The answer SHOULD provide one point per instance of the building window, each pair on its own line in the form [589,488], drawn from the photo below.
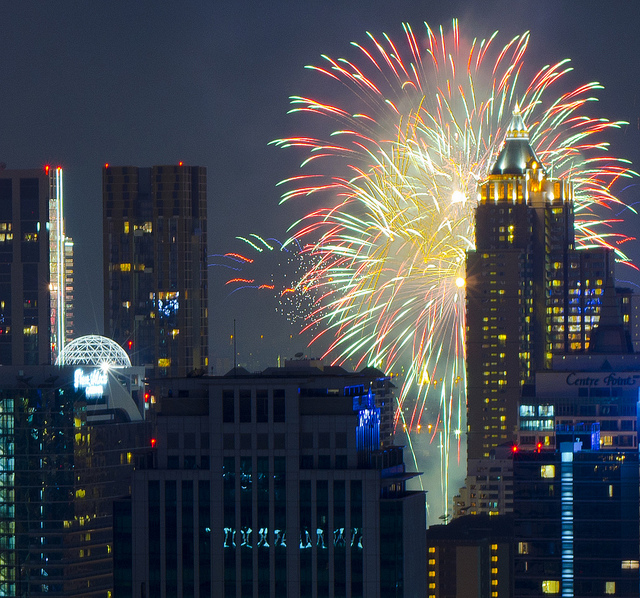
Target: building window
[551,587]
[547,471]
[609,587]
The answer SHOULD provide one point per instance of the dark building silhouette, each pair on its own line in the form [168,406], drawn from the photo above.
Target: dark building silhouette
[155,265]
[273,484]
[58,477]
[471,556]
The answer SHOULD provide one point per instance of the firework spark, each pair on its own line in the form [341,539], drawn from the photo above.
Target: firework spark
[421,125]
[278,276]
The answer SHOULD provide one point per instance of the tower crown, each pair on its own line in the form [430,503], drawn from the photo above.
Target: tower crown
[516,155]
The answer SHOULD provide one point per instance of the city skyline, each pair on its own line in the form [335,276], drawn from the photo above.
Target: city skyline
[221,78]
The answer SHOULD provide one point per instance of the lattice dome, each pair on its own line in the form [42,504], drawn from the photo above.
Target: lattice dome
[93,350]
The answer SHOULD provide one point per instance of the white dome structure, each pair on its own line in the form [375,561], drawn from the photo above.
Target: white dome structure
[94,350]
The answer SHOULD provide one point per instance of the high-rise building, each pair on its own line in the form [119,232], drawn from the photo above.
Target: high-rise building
[155,265]
[274,484]
[59,476]
[576,522]
[32,266]
[530,293]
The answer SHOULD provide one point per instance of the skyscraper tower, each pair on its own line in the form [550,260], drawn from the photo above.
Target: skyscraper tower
[530,293]
[155,265]
[32,266]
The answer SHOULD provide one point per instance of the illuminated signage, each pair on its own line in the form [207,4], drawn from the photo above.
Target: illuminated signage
[608,380]
[93,381]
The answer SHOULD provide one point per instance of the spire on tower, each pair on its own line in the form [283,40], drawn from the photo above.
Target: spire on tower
[516,155]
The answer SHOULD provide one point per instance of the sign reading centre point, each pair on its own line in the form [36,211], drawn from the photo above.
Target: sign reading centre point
[570,383]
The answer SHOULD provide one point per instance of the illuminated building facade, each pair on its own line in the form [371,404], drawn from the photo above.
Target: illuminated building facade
[58,477]
[32,266]
[155,265]
[530,293]
[576,522]
[110,382]
[274,484]
[69,290]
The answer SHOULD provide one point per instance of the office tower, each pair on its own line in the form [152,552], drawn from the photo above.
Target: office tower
[530,293]
[59,476]
[576,522]
[471,557]
[32,273]
[273,484]
[155,265]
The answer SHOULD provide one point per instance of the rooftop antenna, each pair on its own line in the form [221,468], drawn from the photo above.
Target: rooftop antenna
[235,351]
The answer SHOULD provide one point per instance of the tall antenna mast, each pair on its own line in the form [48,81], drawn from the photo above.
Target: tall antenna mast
[235,351]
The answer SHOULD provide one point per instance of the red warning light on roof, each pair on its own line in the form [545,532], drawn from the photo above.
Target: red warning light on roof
[515,448]
[106,165]
[153,443]
[46,169]
[179,163]
[146,397]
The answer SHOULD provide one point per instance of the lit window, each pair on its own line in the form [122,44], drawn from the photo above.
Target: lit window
[629,564]
[164,362]
[494,547]
[432,549]
[551,587]
[523,547]
[126,227]
[125,267]
[609,587]
[432,586]
[432,573]
[494,559]
[432,561]
[494,582]
[548,471]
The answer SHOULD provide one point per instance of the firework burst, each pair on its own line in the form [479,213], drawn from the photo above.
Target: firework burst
[398,174]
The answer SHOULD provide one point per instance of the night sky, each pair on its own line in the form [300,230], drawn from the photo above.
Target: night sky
[207,82]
